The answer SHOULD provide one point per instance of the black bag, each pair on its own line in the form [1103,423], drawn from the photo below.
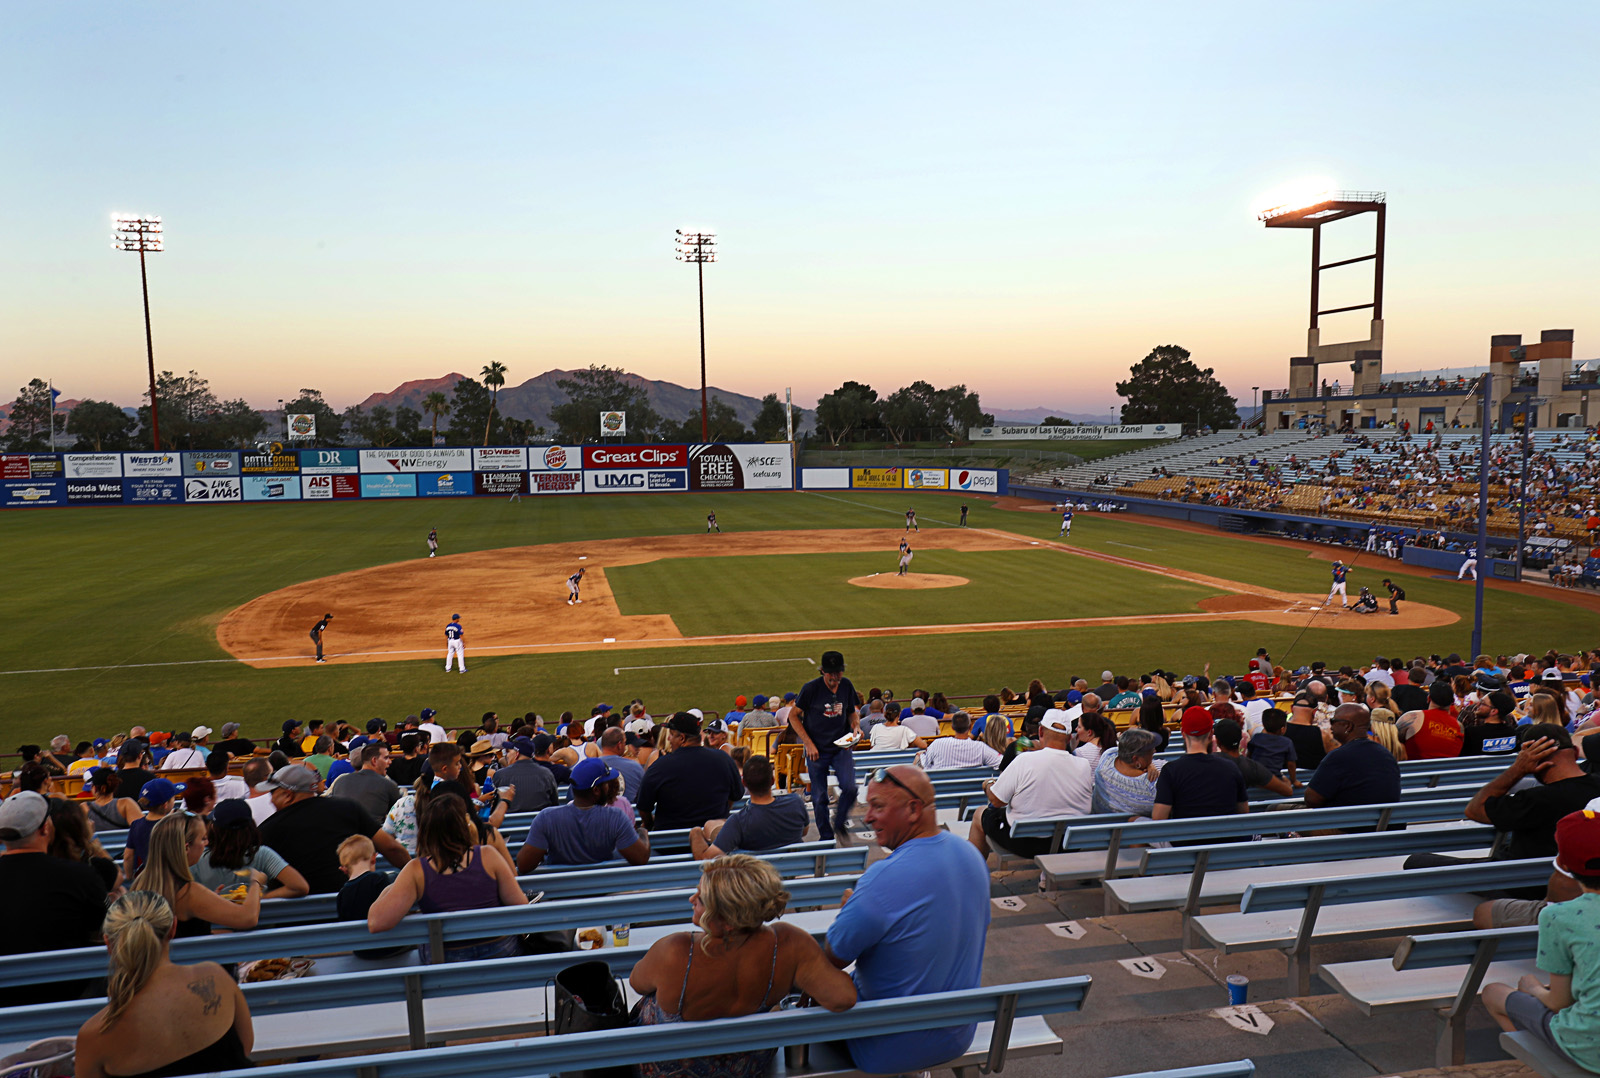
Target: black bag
[587,998]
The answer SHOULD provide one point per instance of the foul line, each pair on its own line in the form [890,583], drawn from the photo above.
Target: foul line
[617,670]
[1130,546]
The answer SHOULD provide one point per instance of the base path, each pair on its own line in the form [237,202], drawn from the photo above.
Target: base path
[514,600]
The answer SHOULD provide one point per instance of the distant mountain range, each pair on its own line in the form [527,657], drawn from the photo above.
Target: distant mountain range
[534,398]
[1030,416]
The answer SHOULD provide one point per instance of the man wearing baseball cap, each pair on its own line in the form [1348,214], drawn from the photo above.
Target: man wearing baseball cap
[690,784]
[533,785]
[825,713]
[1045,782]
[289,743]
[1561,1014]
[590,828]
[46,903]
[759,717]
[306,829]
[435,732]
[1311,742]
[1198,783]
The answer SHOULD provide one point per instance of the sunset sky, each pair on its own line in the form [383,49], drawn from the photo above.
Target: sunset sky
[1025,198]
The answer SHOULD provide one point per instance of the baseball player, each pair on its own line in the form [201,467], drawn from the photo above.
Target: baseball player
[911,521]
[1396,593]
[963,515]
[316,635]
[433,541]
[1468,567]
[905,558]
[1340,571]
[572,586]
[1066,522]
[711,524]
[455,644]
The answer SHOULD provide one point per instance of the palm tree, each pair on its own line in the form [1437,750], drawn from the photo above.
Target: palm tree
[436,404]
[494,376]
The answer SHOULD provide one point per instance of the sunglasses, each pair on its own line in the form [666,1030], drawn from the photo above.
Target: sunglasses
[883,774]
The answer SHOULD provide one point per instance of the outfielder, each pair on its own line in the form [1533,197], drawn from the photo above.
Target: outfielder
[711,524]
[1066,523]
[316,635]
[433,541]
[1340,571]
[573,582]
[455,644]
[911,521]
[905,558]
[963,515]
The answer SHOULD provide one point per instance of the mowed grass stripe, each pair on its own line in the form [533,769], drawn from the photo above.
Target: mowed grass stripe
[778,593]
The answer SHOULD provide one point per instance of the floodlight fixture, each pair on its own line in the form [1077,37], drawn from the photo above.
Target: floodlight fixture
[131,232]
[699,248]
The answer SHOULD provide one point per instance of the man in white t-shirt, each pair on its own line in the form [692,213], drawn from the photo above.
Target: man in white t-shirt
[434,731]
[1380,672]
[1048,781]
[960,749]
[890,735]
[184,756]
[918,722]
[1253,707]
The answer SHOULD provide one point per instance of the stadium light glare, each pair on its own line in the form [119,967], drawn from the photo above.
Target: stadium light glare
[699,247]
[143,235]
[1294,195]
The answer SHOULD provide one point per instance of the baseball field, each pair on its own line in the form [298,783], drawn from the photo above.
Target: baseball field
[175,616]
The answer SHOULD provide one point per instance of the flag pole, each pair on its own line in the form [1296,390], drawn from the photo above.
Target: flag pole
[52,420]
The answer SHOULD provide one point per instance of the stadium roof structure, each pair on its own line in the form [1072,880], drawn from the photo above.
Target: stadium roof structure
[1331,206]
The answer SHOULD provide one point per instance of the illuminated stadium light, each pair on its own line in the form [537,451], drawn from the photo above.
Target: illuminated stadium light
[142,234]
[699,248]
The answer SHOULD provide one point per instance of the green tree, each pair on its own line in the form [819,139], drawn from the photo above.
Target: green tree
[408,425]
[522,431]
[101,423]
[853,406]
[603,389]
[907,409]
[352,422]
[436,404]
[771,423]
[32,417]
[330,428]
[1166,386]
[959,411]
[1056,421]
[494,376]
[187,407]
[234,425]
[722,426]
[470,412]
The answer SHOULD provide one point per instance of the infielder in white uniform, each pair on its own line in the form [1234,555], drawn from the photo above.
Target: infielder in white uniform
[572,586]
[1340,571]
[455,646]
[1066,523]
[1470,566]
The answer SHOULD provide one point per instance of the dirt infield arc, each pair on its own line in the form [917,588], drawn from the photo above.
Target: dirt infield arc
[515,599]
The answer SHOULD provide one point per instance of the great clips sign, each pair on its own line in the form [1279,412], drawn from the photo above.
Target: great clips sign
[635,456]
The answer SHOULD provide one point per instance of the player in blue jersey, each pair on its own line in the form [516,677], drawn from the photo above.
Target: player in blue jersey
[1066,523]
[455,646]
[1340,571]
[573,582]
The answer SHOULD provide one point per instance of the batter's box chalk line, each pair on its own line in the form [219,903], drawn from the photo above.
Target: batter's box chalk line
[617,670]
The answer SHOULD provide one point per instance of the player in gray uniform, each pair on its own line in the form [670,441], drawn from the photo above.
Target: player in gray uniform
[573,582]
[911,521]
[905,558]
[433,541]
[711,524]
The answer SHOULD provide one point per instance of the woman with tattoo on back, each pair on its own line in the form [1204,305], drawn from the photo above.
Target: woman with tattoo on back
[160,1019]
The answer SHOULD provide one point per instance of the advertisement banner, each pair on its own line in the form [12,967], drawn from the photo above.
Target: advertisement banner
[500,459]
[927,478]
[740,467]
[983,481]
[272,461]
[303,427]
[636,456]
[634,481]
[330,461]
[876,478]
[555,482]
[825,478]
[94,490]
[444,485]
[32,493]
[388,486]
[211,463]
[555,458]
[416,460]
[271,488]
[153,490]
[327,487]
[30,466]
[613,424]
[1111,432]
[212,489]
[504,484]
[94,466]
[139,465]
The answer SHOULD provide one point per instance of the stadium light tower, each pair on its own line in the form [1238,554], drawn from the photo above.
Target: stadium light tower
[142,234]
[699,248]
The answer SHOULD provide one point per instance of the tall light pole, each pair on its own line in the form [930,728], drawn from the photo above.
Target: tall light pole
[142,234]
[1254,391]
[699,248]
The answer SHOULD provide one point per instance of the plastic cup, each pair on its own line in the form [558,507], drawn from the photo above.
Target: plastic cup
[1238,988]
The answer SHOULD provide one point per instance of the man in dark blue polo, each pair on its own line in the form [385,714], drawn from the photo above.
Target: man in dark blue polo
[824,714]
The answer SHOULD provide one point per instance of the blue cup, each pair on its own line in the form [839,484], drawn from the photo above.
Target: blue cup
[1238,988]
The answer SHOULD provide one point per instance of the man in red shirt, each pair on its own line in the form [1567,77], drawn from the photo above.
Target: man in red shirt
[1433,733]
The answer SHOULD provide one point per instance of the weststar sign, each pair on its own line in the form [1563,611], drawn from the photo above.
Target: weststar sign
[636,456]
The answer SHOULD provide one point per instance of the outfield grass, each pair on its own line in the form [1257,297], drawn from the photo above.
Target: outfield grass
[121,587]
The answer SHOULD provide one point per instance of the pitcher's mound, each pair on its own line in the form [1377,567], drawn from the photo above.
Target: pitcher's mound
[909,582]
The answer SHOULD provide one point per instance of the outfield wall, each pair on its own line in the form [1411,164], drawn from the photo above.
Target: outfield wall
[962,480]
[279,474]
